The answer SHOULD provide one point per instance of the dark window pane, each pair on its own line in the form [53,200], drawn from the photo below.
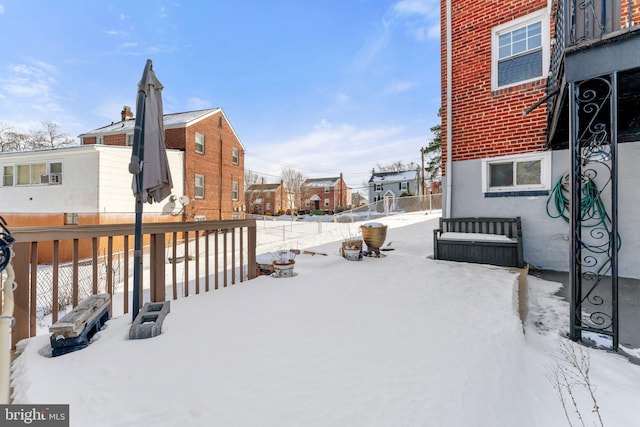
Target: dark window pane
[520,68]
[528,172]
[501,175]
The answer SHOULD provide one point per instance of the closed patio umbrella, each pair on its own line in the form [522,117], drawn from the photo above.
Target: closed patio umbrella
[149,164]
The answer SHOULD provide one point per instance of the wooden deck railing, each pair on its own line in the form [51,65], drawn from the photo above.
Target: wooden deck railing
[215,254]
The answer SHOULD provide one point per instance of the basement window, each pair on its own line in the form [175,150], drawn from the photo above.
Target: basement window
[71,218]
[519,175]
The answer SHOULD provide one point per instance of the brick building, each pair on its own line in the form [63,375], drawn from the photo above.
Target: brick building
[328,194]
[272,199]
[213,159]
[508,72]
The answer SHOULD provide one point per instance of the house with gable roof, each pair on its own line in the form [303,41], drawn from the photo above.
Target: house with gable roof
[327,194]
[268,199]
[91,183]
[390,185]
[213,159]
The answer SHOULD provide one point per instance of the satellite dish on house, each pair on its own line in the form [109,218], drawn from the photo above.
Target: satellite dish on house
[184,200]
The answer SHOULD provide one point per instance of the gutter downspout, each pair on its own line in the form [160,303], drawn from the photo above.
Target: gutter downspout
[449,170]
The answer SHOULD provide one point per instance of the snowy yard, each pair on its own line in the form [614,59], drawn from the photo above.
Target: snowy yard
[401,340]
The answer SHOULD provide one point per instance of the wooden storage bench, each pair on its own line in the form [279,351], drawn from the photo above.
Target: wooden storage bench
[496,241]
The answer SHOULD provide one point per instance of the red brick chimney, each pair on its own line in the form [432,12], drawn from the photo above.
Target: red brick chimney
[126,113]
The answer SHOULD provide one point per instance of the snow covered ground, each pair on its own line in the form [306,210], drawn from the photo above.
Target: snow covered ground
[401,340]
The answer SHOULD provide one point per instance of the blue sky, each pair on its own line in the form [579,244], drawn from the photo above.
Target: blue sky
[323,86]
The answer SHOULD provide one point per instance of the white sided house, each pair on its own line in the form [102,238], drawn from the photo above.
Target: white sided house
[389,186]
[88,184]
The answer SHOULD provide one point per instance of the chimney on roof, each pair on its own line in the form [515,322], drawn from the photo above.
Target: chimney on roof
[126,113]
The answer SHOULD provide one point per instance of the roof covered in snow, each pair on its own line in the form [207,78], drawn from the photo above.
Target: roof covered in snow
[170,121]
[263,187]
[321,182]
[399,176]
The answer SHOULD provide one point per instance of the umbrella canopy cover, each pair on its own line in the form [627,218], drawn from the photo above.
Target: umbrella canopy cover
[156,176]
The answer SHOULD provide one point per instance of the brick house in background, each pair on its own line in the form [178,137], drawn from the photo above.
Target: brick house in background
[328,194]
[213,159]
[506,71]
[270,199]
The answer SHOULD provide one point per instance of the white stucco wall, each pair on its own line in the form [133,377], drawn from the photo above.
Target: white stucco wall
[546,240]
[94,179]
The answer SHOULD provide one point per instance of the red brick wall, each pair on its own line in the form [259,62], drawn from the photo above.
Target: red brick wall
[337,196]
[219,142]
[487,123]
[120,139]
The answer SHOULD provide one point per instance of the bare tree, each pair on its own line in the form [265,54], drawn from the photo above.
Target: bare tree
[251,178]
[49,137]
[293,181]
[11,140]
[396,166]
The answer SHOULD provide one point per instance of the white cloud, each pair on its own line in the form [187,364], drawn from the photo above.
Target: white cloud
[417,7]
[371,47]
[354,151]
[342,98]
[1,9]
[122,17]
[129,45]
[195,103]
[29,80]
[420,17]
[434,31]
[398,87]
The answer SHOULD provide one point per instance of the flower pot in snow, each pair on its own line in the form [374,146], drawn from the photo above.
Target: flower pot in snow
[283,269]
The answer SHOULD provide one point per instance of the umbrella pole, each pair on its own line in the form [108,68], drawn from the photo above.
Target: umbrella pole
[138,171]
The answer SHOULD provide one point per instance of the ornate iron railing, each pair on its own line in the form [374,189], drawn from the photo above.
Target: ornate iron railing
[582,21]
[594,226]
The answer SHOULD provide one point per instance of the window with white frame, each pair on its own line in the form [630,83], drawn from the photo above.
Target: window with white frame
[99,140]
[235,156]
[199,186]
[34,174]
[234,190]
[520,50]
[326,189]
[7,176]
[404,186]
[378,187]
[326,202]
[522,172]
[199,143]
[129,140]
